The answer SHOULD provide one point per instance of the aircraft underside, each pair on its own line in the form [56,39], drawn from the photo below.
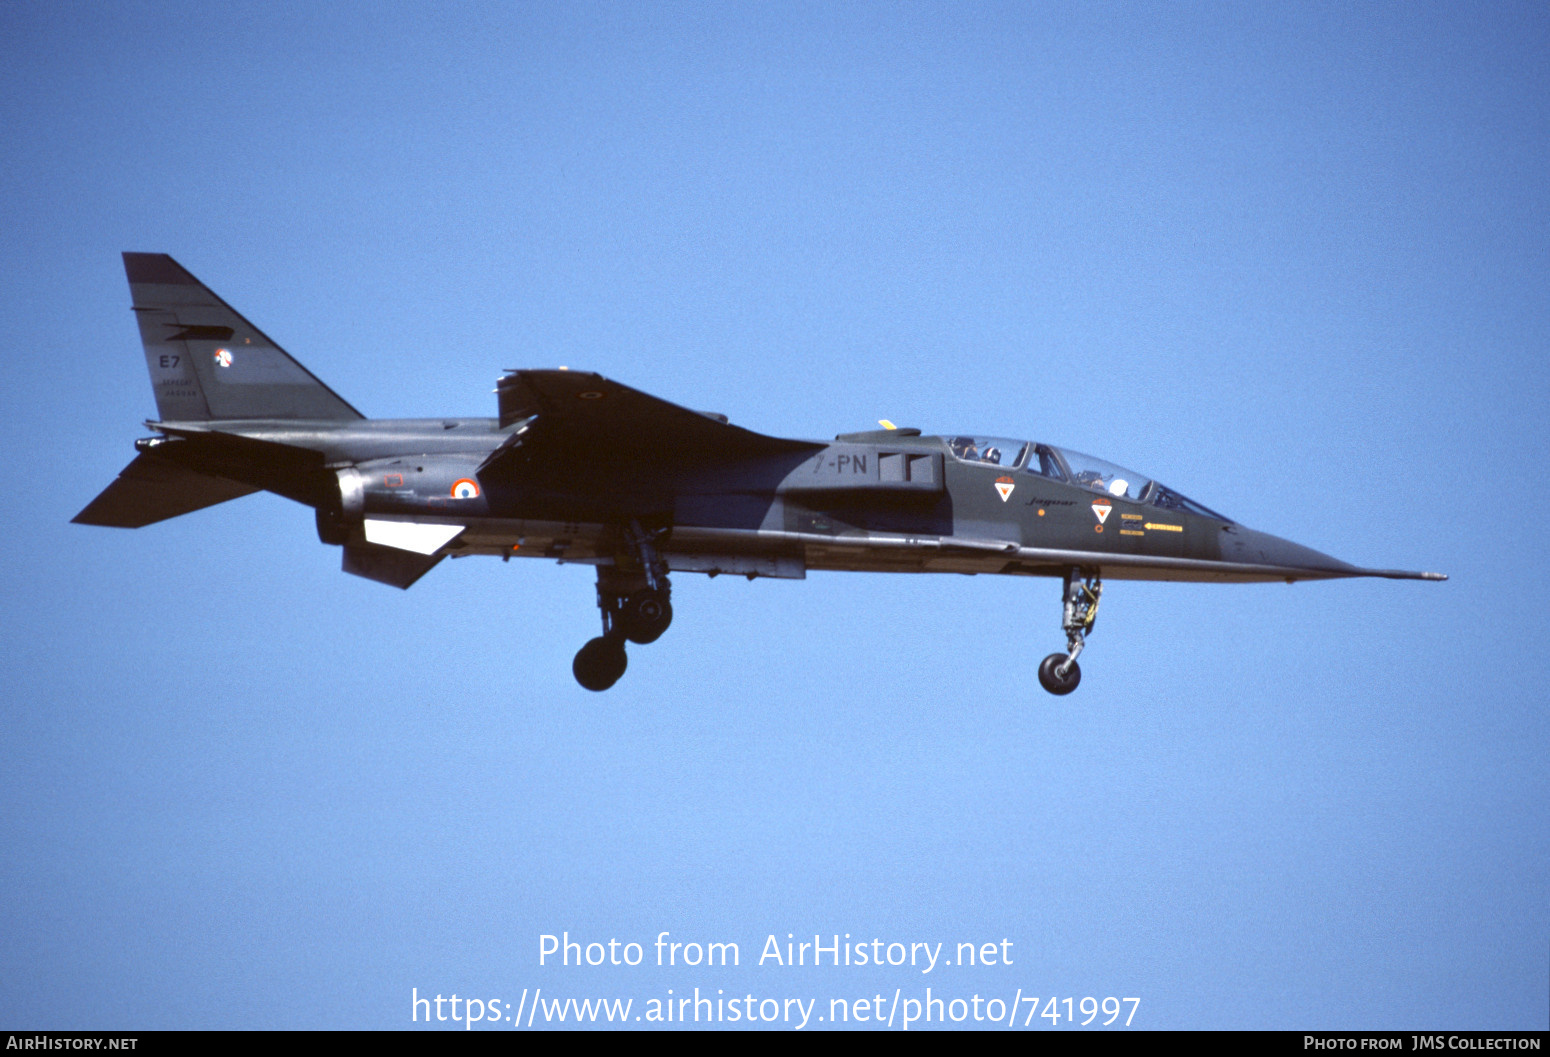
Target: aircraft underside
[790,555]
[634,588]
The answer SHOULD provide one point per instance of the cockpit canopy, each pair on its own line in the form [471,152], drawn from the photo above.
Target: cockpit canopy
[994,451]
[1072,467]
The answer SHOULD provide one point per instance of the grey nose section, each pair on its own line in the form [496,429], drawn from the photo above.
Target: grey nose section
[1261,548]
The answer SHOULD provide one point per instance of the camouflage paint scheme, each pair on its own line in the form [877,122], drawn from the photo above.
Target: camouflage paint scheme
[581,469]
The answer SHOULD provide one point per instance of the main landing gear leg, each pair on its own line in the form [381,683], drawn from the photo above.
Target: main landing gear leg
[1059,673]
[645,613]
[635,606]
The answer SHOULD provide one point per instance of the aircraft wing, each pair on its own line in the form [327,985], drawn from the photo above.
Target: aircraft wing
[593,420]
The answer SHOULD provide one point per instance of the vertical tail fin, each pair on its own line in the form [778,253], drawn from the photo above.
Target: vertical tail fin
[208,363]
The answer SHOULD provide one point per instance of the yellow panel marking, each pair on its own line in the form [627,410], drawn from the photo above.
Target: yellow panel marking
[1163,528]
[1131,517]
[1130,532]
[886,424]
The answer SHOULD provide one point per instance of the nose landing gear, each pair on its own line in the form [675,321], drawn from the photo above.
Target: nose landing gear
[635,604]
[1059,673]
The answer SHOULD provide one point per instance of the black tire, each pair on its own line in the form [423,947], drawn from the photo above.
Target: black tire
[600,663]
[1051,680]
[645,615]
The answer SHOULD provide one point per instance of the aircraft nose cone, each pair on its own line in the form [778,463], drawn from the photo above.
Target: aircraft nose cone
[1261,548]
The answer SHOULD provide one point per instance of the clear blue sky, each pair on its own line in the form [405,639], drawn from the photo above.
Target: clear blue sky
[1289,259]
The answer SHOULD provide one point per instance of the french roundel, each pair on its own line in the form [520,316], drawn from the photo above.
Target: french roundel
[465,488]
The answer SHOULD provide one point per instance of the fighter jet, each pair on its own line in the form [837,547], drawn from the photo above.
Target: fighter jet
[581,469]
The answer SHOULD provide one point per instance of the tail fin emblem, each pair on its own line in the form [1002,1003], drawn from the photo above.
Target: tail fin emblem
[223,357]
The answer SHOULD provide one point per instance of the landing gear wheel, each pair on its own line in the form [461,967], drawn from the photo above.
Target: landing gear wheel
[1058,673]
[600,663]
[645,615]
[1050,678]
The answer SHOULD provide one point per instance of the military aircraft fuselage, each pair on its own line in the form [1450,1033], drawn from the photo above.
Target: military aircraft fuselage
[882,500]
[581,469]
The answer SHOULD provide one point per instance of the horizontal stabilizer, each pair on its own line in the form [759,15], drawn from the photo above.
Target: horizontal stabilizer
[386,565]
[152,489]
